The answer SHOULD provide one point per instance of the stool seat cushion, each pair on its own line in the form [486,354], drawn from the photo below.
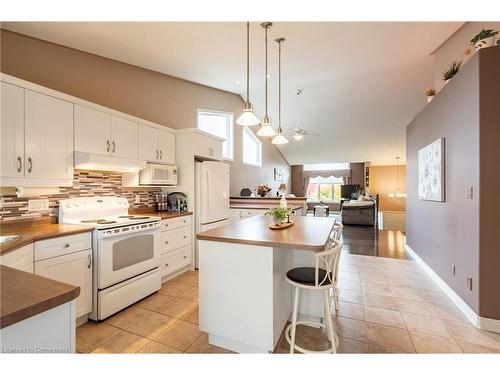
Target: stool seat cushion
[305,275]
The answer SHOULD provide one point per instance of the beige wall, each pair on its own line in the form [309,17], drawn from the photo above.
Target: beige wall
[150,95]
[383,182]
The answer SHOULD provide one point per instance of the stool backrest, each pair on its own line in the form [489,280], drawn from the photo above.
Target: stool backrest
[337,230]
[328,260]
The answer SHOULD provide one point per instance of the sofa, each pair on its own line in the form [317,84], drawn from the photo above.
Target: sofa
[360,212]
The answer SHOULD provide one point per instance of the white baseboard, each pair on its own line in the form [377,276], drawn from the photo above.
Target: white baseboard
[479,322]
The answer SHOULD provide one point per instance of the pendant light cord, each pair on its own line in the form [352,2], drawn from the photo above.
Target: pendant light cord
[248,62]
[279,88]
[266,69]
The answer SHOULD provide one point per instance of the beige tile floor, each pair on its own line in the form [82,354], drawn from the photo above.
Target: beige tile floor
[386,306]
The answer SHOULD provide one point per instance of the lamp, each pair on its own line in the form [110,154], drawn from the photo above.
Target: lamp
[397,194]
[280,138]
[266,130]
[247,117]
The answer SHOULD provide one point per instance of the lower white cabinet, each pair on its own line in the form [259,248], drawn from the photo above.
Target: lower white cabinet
[176,259]
[20,259]
[73,269]
[176,249]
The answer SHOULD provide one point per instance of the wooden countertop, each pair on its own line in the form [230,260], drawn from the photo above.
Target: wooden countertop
[262,206]
[39,232]
[308,233]
[162,214]
[24,295]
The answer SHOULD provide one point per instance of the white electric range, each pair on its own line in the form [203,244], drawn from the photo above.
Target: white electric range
[126,251]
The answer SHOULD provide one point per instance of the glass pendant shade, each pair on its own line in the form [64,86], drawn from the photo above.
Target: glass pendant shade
[397,194]
[266,130]
[279,139]
[248,117]
[298,136]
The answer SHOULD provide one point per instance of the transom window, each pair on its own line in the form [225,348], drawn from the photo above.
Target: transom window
[326,167]
[219,124]
[252,148]
[325,189]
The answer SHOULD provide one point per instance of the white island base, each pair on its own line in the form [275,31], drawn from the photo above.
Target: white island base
[245,300]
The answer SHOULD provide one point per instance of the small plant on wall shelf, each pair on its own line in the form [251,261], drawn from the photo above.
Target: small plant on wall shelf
[453,69]
[430,92]
[485,38]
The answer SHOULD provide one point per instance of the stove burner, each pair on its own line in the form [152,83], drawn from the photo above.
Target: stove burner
[98,221]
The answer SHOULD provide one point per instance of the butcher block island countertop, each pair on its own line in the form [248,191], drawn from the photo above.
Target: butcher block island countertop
[308,233]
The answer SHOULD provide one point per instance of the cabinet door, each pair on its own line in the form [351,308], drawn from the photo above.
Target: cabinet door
[92,131]
[74,269]
[12,131]
[20,259]
[48,136]
[207,147]
[148,143]
[123,138]
[166,146]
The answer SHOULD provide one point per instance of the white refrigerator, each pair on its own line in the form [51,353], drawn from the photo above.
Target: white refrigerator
[212,197]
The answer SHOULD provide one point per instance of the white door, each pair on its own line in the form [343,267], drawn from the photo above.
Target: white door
[166,146]
[148,144]
[74,269]
[214,178]
[48,136]
[123,138]
[92,131]
[12,131]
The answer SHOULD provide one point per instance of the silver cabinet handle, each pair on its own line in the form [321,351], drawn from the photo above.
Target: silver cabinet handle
[66,245]
[19,164]
[157,154]
[89,261]
[30,165]
[107,145]
[161,155]
[114,147]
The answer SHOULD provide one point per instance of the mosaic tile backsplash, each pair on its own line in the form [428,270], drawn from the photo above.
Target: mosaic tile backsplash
[85,184]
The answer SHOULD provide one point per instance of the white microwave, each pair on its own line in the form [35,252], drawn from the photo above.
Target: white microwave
[156,174]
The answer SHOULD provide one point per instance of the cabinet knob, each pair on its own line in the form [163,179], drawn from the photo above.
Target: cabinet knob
[185,256]
[166,264]
[184,237]
[66,245]
[166,242]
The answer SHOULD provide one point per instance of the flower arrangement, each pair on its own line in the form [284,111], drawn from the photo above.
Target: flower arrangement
[263,190]
[453,69]
[279,214]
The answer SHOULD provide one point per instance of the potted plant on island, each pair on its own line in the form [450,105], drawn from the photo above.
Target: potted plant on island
[279,214]
[430,92]
[485,38]
[263,190]
[453,69]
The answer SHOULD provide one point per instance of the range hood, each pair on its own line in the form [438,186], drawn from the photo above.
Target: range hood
[96,162]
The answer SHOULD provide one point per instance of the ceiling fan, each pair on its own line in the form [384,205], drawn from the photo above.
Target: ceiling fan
[299,132]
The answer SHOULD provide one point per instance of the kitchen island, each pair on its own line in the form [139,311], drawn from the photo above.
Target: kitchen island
[245,300]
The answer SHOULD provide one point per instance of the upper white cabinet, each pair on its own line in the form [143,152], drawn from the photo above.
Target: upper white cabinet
[48,136]
[156,145]
[12,131]
[207,147]
[100,133]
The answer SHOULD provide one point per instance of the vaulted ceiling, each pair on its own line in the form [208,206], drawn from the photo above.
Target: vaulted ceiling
[362,82]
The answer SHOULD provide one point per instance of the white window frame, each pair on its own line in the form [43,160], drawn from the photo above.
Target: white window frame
[258,142]
[230,128]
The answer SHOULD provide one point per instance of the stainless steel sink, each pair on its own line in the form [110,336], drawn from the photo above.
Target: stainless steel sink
[4,239]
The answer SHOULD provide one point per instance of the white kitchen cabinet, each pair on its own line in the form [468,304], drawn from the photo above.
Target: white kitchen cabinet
[238,213]
[74,269]
[92,130]
[48,137]
[21,259]
[12,131]
[176,249]
[207,147]
[97,132]
[156,145]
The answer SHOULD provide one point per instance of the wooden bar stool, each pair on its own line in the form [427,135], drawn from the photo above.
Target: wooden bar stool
[322,278]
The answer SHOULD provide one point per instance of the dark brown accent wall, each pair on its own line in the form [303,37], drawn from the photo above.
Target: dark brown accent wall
[460,232]
[147,94]
[357,174]
[297,180]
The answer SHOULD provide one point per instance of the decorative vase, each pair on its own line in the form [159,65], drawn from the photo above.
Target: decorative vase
[262,195]
[278,221]
[430,97]
[487,42]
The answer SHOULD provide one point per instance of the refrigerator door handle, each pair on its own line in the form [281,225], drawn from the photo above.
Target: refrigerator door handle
[208,192]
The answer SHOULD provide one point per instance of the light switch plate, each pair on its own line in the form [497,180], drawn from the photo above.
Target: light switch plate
[469,193]
[35,205]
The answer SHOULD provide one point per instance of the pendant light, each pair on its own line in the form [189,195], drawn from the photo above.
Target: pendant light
[397,194]
[298,134]
[279,138]
[247,117]
[266,130]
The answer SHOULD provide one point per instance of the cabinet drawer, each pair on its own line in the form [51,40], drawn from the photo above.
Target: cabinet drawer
[175,260]
[62,245]
[175,238]
[178,222]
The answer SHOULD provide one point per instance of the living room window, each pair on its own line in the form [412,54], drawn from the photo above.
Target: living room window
[325,189]
[219,124]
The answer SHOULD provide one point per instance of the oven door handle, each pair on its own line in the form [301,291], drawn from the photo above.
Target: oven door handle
[109,233]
